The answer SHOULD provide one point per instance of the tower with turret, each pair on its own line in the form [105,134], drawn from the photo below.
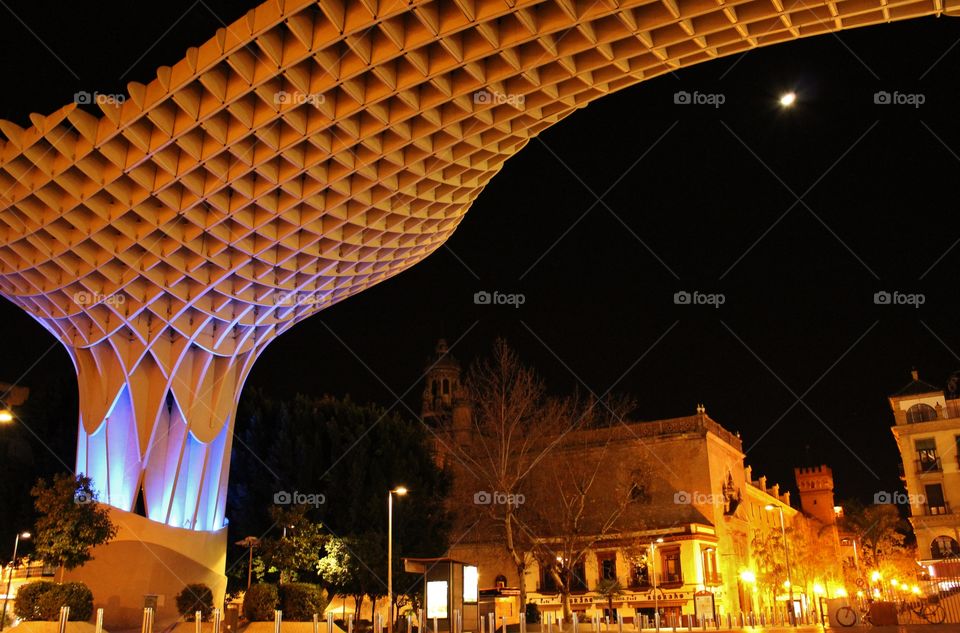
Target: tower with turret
[815,485]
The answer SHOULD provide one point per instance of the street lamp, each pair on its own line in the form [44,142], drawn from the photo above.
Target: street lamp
[653,574]
[6,416]
[249,542]
[13,566]
[399,491]
[786,554]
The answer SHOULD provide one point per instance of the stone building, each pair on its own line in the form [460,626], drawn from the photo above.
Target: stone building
[692,512]
[927,430]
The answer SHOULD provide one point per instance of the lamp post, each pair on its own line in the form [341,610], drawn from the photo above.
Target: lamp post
[399,491]
[13,566]
[249,542]
[786,555]
[653,575]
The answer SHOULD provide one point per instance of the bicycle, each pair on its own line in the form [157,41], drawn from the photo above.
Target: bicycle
[928,609]
[849,616]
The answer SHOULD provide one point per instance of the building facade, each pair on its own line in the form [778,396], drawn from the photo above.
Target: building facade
[927,430]
[687,542]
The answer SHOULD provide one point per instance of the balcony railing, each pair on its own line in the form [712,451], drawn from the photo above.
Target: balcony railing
[928,465]
[936,510]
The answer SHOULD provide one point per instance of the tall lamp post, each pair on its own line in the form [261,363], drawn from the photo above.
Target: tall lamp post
[399,491]
[653,575]
[786,555]
[13,566]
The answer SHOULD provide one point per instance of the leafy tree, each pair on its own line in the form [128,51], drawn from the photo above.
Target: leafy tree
[611,589]
[771,566]
[351,567]
[293,554]
[71,521]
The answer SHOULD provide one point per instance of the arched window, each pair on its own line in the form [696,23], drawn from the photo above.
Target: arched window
[921,413]
[446,387]
[434,388]
[944,547]
[500,582]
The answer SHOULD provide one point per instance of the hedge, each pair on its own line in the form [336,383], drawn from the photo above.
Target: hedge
[260,602]
[301,600]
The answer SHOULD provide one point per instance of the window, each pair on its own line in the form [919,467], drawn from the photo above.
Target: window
[500,582]
[670,570]
[921,413]
[935,501]
[446,387]
[927,458]
[711,574]
[640,576]
[579,580]
[607,566]
[944,547]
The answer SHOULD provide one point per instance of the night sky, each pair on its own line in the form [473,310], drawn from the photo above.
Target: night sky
[796,217]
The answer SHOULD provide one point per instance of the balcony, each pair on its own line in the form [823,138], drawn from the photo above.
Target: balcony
[936,510]
[713,580]
[928,465]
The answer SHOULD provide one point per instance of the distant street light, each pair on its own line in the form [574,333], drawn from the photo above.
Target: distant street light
[653,574]
[787,99]
[13,567]
[399,491]
[250,542]
[786,554]
[6,416]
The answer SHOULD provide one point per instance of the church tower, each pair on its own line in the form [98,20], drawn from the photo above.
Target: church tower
[442,387]
[816,493]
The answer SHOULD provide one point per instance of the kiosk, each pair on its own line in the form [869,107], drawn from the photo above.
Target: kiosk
[450,588]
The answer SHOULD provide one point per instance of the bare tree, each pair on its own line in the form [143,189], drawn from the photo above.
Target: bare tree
[492,448]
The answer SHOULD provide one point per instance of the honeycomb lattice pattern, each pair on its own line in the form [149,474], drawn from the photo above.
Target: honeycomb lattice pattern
[311,149]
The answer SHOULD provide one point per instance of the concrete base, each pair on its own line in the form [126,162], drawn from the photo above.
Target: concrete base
[148,558]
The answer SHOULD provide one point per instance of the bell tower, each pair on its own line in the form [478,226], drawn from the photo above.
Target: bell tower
[442,386]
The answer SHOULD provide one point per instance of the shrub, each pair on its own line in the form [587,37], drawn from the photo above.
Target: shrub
[301,600]
[260,602]
[193,598]
[42,601]
[25,606]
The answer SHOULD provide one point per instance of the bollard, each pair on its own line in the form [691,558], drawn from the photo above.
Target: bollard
[503,622]
[99,625]
[523,623]
[619,622]
[316,623]
[330,622]
[217,617]
[575,622]
[550,623]
[350,623]
[277,620]
[435,629]
[606,621]
[64,617]
[409,623]
[198,621]
[492,628]
[482,628]
[147,626]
